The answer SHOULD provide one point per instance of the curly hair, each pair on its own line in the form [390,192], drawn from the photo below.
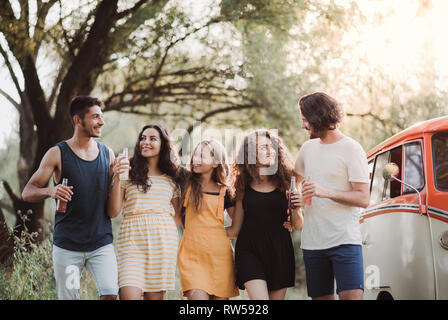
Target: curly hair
[220,175]
[244,172]
[168,163]
[321,111]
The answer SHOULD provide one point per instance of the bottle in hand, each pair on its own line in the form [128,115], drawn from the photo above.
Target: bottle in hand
[125,175]
[307,201]
[292,191]
[62,204]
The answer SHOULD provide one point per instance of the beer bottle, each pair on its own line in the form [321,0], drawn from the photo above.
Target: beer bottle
[62,204]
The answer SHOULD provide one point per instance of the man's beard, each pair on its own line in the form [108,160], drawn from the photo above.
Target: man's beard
[318,134]
[87,132]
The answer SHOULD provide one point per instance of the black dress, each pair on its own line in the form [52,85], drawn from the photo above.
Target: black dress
[264,247]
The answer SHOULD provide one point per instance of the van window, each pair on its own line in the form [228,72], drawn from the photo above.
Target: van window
[394,185]
[440,160]
[381,189]
[377,186]
[370,166]
[413,167]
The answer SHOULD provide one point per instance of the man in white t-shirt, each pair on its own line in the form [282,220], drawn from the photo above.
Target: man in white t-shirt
[337,183]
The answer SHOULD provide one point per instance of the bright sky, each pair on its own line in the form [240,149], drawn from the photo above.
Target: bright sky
[397,45]
[8,115]
[413,33]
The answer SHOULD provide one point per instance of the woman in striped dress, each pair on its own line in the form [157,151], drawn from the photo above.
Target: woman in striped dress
[147,242]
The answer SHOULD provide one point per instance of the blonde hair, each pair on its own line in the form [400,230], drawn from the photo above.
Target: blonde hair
[220,175]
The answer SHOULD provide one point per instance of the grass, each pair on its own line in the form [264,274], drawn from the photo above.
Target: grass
[28,275]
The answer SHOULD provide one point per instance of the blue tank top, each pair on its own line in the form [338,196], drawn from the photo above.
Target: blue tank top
[85,226]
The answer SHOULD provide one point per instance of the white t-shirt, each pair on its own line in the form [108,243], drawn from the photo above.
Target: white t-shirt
[328,223]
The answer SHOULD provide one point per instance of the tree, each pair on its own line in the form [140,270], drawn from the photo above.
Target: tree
[386,96]
[149,57]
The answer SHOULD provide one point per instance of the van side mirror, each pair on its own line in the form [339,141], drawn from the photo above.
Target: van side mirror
[391,171]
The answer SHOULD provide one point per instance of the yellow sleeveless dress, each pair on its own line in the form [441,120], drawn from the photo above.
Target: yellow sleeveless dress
[205,257]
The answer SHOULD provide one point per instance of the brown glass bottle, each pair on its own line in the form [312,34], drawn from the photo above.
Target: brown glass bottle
[62,204]
[292,191]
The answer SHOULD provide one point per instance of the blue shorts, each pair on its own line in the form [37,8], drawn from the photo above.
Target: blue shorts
[343,262]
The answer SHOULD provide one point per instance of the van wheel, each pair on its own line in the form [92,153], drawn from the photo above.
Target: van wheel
[384,295]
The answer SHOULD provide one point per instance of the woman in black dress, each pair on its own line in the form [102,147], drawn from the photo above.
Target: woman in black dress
[264,254]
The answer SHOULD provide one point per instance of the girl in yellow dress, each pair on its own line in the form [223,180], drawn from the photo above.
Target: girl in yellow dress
[205,256]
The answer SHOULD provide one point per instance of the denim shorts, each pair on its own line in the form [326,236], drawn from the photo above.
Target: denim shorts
[68,266]
[343,263]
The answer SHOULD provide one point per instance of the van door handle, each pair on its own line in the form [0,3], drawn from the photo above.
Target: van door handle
[366,242]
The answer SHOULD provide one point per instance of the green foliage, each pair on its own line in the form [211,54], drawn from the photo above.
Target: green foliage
[284,45]
[265,12]
[31,275]
[382,106]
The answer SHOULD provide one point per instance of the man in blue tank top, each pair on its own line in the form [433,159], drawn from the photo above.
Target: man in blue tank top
[83,233]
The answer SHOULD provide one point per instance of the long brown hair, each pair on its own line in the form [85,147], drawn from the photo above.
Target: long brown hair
[168,163]
[244,171]
[220,175]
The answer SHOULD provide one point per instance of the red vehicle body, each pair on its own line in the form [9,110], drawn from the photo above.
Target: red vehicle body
[405,227]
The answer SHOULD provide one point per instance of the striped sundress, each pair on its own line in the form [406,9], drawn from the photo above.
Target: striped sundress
[148,240]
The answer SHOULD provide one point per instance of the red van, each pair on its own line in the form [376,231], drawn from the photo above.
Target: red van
[405,227]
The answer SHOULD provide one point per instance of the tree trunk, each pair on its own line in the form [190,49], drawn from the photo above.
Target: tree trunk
[6,242]
[28,146]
